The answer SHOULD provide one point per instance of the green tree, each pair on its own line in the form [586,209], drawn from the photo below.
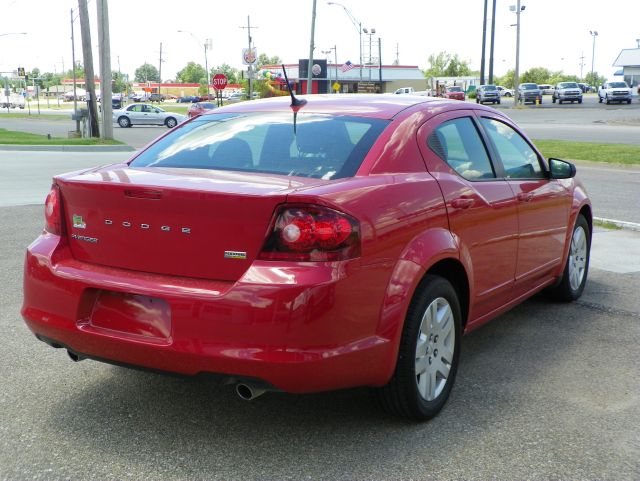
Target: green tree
[147,73]
[444,64]
[233,74]
[536,75]
[79,72]
[119,82]
[264,59]
[594,79]
[192,73]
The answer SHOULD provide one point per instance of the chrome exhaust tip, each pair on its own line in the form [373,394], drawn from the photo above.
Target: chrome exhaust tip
[74,357]
[247,392]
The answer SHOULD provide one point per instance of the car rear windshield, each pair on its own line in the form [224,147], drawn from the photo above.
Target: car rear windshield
[568,85]
[309,145]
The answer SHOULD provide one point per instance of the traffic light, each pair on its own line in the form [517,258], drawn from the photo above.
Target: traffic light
[20,71]
[26,78]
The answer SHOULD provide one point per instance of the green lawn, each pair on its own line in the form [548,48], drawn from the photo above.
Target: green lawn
[34,115]
[24,138]
[595,152]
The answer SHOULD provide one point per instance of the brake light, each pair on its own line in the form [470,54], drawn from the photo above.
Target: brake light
[312,233]
[53,211]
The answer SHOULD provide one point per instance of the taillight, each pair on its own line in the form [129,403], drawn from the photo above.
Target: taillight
[53,211]
[312,233]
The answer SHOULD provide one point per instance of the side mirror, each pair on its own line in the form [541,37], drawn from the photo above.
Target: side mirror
[561,169]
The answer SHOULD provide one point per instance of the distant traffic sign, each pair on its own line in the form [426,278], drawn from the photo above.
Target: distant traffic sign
[219,81]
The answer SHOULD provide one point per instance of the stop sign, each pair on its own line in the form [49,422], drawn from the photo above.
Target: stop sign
[219,81]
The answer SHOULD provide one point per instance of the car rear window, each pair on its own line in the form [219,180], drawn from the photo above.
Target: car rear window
[313,145]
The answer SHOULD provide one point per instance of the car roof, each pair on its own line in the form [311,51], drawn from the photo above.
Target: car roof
[363,105]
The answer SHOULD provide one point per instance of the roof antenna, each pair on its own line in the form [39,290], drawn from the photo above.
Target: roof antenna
[295,102]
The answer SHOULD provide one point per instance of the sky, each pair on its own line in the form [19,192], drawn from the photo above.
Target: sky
[554,33]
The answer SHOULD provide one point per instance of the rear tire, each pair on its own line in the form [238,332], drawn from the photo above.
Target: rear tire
[170,122]
[124,122]
[428,353]
[574,276]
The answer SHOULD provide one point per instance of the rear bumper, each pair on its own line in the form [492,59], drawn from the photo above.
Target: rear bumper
[298,328]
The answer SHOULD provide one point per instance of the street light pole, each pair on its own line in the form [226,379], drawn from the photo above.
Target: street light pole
[207,44]
[356,24]
[594,34]
[516,75]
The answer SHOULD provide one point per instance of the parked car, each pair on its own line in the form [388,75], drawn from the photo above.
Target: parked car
[614,92]
[455,93]
[529,92]
[236,97]
[487,93]
[546,89]
[199,108]
[404,91]
[140,97]
[586,88]
[146,114]
[156,98]
[504,92]
[188,99]
[567,92]
[352,244]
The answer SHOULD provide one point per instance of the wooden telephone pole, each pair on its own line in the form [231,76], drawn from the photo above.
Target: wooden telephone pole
[89,77]
[104,49]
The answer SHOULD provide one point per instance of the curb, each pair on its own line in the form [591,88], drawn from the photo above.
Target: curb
[68,148]
[619,223]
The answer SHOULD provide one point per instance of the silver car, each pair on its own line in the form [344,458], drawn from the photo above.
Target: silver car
[145,114]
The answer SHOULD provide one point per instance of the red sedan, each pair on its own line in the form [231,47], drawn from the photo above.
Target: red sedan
[349,241]
[455,93]
[199,108]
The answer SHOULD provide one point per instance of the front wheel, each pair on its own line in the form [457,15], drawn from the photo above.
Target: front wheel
[428,353]
[574,276]
[171,122]
[124,122]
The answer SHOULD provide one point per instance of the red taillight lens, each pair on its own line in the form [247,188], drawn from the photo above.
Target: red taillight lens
[53,211]
[312,233]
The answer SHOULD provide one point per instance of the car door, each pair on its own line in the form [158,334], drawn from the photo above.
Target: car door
[543,203]
[481,207]
[134,112]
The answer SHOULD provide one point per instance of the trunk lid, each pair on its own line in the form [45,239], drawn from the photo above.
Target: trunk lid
[181,222]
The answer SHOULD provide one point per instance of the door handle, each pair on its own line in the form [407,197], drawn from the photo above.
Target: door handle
[461,203]
[525,196]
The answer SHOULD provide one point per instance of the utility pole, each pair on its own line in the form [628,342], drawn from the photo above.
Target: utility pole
[250,67]
[397,54]
[380,63]
[516,75]
[73,68]
[160,70]
[87,56]
[104,45]
[484,43]
[581,65]
[311,48]
[493,38]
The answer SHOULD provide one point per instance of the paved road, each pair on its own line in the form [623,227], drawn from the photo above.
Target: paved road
[548,391]
[25,178]
[589,121]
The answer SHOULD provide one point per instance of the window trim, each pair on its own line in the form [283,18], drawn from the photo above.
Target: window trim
[496,155]
[498,172]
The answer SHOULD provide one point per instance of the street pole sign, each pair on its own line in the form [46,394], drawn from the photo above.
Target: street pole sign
[219,81]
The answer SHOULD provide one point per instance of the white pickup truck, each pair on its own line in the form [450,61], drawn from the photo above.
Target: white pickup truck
[14,101]
[614,92]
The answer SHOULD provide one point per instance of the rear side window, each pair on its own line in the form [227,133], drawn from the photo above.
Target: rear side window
[519,159]
[458,143]
[318,146]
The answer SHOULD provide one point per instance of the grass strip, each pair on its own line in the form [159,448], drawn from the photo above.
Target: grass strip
[625,154]
[25,138]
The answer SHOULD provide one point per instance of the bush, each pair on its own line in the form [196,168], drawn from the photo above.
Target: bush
[472,95]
